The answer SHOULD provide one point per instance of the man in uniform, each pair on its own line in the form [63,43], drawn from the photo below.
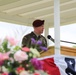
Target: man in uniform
[38,26]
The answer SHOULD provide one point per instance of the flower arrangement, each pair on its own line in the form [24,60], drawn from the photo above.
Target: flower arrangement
[15,60]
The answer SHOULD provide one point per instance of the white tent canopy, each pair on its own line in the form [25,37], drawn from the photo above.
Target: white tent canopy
[23,12]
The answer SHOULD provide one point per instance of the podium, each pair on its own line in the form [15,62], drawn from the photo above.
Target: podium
[64,50]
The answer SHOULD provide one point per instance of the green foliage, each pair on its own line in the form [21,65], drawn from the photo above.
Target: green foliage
[4,46]
[17,48]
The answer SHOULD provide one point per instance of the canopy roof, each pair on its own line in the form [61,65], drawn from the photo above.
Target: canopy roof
[23,12]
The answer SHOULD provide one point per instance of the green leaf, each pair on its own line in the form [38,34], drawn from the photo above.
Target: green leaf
[17,48]
[5,46]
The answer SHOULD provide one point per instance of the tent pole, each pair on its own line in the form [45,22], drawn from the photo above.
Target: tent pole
[57,26]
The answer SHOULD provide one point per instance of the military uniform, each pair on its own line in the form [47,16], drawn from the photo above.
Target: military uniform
[26,41]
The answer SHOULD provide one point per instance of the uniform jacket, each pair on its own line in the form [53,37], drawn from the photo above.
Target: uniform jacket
[26,41]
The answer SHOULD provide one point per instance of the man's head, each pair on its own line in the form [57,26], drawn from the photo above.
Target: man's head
[38,26]
[38,23]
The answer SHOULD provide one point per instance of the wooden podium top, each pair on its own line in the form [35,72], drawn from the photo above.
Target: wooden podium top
[63,50]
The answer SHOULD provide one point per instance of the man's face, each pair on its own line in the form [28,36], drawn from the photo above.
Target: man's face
[40,29]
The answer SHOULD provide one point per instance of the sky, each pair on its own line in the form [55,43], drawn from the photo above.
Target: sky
[67,32]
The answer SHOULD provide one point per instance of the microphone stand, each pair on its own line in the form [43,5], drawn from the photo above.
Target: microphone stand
[49,37]
[63,41]
[68,42]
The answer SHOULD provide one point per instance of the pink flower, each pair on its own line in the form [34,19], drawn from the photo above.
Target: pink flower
[36,74]
[4,56]
[4,74]
[12,41]
[1,63]
[1,60]
[26,49]
[19,69]
[36,63]
[1,56]
[20,56]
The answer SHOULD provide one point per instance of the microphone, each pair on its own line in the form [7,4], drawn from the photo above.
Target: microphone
[49,37]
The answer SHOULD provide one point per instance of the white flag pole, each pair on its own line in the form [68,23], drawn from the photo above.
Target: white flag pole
[57,25]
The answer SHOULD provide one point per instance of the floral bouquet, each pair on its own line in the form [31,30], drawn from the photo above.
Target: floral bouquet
[15,60]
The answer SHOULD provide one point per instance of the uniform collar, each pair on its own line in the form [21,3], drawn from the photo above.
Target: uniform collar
[35,34]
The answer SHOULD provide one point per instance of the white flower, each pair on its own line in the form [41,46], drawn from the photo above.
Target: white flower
[20,56]
[4,69]
[35,52]
[24,73]
[41,72]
